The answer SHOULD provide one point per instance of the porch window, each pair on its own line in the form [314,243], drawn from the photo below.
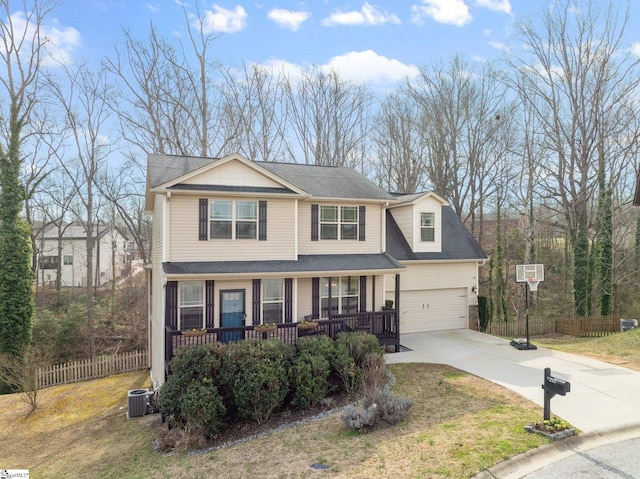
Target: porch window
[191,304]
[345,295]
[233,219]
[272,300]
[338,222]
[427,227]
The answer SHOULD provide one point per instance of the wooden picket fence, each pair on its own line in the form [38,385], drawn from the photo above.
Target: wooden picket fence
[578,327]
[515,329]
[84,370]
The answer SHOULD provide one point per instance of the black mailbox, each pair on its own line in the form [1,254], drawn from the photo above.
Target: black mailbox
[556,385]
[553,386]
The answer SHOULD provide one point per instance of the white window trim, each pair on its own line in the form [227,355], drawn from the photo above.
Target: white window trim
[234,220]
[264,301]
[339,223]
[180,305]
[432,227]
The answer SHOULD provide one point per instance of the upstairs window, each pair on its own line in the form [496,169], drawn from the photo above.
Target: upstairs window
[49,262]
[427,226]
[67,260]
[233,219]
[338,222]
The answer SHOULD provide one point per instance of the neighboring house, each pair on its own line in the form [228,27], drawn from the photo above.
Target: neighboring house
[239,243]
[110,248]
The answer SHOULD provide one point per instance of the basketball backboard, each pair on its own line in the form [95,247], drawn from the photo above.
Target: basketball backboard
[529,271]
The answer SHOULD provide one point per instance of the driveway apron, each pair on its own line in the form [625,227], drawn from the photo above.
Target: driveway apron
[602,395]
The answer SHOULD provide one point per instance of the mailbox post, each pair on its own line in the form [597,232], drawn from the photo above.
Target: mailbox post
[553,386]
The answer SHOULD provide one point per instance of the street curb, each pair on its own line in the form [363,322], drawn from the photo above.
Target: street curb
[527,462]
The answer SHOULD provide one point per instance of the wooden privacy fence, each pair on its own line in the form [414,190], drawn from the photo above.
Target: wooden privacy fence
[90,369]
[579,327]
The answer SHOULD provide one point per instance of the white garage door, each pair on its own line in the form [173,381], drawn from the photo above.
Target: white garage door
[433,310]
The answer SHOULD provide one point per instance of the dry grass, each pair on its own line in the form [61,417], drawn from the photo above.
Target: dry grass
[459,425]
[622,349]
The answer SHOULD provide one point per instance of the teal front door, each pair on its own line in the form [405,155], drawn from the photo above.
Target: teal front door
[232,314]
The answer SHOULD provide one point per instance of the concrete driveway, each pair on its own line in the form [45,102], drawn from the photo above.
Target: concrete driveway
[603,396]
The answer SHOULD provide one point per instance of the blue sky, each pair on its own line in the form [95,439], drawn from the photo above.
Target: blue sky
[379,41]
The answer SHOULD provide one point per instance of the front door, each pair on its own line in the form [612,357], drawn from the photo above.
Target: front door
[232,314]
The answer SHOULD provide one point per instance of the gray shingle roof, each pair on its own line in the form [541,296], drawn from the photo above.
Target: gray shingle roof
[327,181]
[318,181]
[457,241]
[305,263]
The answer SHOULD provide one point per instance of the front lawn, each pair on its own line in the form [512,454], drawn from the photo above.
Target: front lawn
[459,424]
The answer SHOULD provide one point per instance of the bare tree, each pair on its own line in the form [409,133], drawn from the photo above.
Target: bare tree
[578,82]
[330,119]
[254,107]
[400,145]
[83,97]
[170,104]
[461,114]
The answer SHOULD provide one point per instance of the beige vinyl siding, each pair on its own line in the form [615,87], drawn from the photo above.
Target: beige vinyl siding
[373,225]
[305,294]
[185,246]
[233,173]
[404,218]
[421,276]
[158,227]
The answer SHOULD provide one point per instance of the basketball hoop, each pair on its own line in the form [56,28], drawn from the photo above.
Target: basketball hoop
[533,283]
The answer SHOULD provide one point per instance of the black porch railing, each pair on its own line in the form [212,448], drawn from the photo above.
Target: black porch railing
[382,324]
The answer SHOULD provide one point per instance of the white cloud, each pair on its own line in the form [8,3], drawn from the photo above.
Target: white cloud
[223,20]
[61,41]
[451,12]
[367,15]
[153,8]
[496,5]
[362,67]
[369,67]
[287,18]
[499,46]
[635,49]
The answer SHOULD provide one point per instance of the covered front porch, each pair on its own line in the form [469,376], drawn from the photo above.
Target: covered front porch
[382,324]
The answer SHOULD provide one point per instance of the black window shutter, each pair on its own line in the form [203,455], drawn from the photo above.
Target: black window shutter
[262,221]
[314,222]
[256,301]
[362,210]
[363,294]
[315,298]
[203,215]
[171,305]
[209,303]
[288,300]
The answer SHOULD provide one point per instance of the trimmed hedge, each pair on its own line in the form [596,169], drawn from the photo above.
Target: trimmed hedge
[210,386]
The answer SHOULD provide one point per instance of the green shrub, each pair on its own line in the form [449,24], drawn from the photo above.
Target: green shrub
[255,372]
[202,408]
[189,366]
[484,312]
[309,379]
[352,351]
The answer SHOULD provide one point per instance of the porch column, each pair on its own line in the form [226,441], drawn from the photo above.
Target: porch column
[397,298]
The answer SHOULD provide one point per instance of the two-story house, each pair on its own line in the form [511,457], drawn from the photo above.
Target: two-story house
[64,249]
[238,243]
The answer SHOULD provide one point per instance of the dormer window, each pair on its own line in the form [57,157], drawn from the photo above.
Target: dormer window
[427,227]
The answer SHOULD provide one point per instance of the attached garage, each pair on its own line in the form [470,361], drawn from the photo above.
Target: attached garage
[433,310]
